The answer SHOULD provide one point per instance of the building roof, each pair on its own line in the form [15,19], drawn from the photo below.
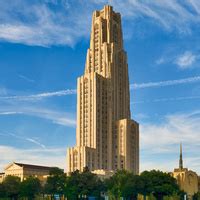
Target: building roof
[180,170]
[33,166]
[29,166]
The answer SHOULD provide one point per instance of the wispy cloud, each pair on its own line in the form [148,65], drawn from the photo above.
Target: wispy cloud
[35,142]
[9,113]
[24,138]
[169,14]
[42,23]
[38,156]
[160,61]
[175,128]
[26,78]
[3,91]
[39,96]
[57,117]
[165,83]
[53,22]
[185,60]
[167,99]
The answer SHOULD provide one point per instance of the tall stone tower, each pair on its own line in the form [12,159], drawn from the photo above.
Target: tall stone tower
[106,136]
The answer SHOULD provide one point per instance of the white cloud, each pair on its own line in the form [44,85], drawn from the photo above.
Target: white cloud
[26,139]
[159,145]
[165,83]
[160,61]
[185,60]
[196,5]
[167,99]
[26,78]
[10,113]
[38,23]
[57,117]
[36,142]
[39,96]
[46,157]
[160,142]
[169,14]
[3,91]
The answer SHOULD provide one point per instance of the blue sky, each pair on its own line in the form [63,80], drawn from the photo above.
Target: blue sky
[43,46]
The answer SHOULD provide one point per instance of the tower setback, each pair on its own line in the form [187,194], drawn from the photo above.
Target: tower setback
[106,136]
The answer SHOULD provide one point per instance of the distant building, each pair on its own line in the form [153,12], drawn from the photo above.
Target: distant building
[26,170]
[2,175]
[106,136]
[103,174]
[186,179]
[199,184]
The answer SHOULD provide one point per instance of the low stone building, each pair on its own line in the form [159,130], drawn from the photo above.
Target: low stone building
[186,179]
[26,170]
[199,183]
[2,175]
[103,174]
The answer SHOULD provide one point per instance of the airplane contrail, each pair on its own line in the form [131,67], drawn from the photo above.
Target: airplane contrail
[135,86]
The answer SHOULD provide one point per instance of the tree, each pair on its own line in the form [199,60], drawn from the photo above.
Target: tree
[55,182]
[71,188]
[30,188]
[159,184]
[2,191]
[123,184]
[196,196]
[80,185]
[12,186]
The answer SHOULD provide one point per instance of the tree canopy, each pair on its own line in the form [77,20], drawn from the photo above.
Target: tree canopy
[85,184]
[30,188]
[159,184]
[55,182]
[128,185]
[11,185]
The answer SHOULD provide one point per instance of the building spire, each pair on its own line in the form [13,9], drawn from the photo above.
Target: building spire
[181,158]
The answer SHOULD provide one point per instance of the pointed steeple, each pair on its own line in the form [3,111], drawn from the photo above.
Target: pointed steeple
[181,158]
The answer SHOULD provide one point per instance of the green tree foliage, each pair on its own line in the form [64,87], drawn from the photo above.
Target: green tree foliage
[196,196]
[124,184]
[55,182]
[159,184]
[83,185]
[12,186]
[30,188]
[154,184]
[2,191]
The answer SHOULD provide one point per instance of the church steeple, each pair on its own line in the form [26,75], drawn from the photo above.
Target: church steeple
[181,158]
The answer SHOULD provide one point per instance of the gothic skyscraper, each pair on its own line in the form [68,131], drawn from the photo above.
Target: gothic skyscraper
[106,136]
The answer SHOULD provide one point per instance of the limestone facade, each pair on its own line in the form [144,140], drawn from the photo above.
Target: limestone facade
[2,175]
[25,170]
[106,136]
[186,179]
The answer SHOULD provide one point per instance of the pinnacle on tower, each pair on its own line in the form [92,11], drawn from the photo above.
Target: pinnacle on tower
[181,158]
